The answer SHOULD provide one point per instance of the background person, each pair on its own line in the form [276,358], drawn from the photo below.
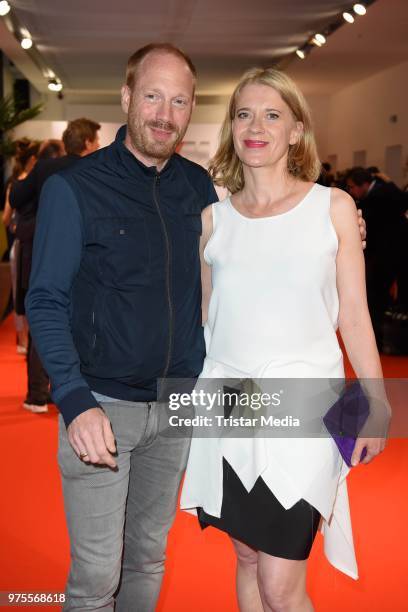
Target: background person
[80,138]
[24,161]
[51,149]
[326,177]
[383,206]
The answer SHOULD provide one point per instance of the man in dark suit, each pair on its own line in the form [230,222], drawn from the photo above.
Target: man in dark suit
[383,205]
[80,138]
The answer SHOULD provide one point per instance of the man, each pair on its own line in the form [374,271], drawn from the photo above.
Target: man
[114,304]
[383,206]
[80,138]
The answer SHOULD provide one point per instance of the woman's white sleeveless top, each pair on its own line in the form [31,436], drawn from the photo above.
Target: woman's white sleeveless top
[273,314]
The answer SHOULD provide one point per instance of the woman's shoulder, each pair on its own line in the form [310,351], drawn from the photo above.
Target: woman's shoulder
[341,203]
[210,215]
[343,211]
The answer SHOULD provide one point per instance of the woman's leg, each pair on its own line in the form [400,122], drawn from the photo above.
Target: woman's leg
[249,599]
[282,584]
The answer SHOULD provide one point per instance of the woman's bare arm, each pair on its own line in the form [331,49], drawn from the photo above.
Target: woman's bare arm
[8,211]
[354,319]
[206,285]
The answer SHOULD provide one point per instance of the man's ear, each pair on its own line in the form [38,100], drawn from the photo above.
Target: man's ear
[296,133]
[125,98]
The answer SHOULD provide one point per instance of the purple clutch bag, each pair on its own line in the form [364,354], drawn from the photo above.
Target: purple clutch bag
[345,419]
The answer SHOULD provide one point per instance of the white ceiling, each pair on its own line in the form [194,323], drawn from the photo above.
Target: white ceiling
[373,43]
[87,42]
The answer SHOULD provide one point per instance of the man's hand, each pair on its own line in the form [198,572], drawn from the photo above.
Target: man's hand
[90,435]
[362,227]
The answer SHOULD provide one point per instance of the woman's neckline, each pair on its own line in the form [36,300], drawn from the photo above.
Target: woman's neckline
[283,214]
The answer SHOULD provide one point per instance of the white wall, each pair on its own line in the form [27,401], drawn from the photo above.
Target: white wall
[359,118]
[54,109]
[102,113]
[319,106]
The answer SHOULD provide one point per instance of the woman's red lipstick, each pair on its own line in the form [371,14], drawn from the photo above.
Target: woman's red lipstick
[255,144]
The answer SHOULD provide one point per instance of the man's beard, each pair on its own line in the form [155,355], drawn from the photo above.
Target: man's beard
[139,137]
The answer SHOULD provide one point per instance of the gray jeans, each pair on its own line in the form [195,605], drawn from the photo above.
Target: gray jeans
[118,521]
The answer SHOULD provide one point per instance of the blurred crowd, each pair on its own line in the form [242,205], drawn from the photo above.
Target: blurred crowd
[33,163]
[384,206]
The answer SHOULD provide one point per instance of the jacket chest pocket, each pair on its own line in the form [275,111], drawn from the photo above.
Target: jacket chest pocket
[192,233]
[125,250]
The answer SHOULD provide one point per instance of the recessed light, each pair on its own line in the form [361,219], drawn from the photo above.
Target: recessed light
[320,38]
[26,43]
[360,9]
[348,17]
[4,8]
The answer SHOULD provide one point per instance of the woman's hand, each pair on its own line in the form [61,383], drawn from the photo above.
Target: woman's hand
[374,447]
[377,424]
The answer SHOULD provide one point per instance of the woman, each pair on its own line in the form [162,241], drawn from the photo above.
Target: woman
[26,202]
[282,267]
[24,161]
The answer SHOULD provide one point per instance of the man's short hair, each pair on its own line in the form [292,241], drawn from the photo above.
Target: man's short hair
[136,59]
[359,176]
[77,133]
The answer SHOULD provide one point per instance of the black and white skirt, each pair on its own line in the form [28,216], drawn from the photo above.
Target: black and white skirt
[259,520]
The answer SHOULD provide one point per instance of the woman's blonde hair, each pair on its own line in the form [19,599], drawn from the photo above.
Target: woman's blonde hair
[226,168]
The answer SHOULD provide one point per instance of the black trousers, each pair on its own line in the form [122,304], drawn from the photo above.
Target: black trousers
[380,275]
[37,378]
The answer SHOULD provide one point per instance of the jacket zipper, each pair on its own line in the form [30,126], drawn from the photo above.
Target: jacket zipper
[167,241]
[93,327]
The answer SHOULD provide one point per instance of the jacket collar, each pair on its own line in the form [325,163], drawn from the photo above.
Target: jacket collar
[131,162]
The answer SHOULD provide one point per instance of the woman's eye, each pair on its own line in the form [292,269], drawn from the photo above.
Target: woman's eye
[272,116]
[242,115]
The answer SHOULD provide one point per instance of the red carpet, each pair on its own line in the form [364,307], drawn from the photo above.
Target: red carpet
[200,567]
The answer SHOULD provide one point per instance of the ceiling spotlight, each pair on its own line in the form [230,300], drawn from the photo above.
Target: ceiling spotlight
[4,8]
[348,17]
[26,43]
[54,85]
[360,9]
[320,38]
[300,53]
